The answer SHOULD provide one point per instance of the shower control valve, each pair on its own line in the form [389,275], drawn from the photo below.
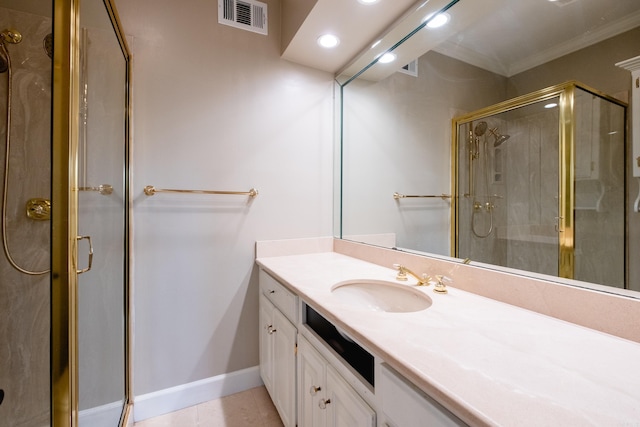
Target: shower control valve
[478,206]
[39,209]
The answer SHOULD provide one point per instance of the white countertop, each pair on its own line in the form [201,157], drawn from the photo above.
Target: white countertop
[487,362]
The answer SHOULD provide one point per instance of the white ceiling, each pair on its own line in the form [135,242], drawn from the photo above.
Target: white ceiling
[355,23]
[520,35]
[503,36]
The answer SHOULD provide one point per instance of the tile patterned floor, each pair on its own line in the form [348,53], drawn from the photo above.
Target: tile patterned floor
[251,408]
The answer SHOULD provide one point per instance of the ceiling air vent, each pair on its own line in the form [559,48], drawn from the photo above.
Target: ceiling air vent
[411,68]
[248,15]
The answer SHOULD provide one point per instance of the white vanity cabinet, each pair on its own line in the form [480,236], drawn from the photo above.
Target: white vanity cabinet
[325,398]
[404,405]
[305,373]
[278,337]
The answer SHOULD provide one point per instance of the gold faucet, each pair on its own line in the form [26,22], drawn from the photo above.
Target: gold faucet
[402,275]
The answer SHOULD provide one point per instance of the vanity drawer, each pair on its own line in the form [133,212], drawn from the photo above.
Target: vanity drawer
[280,296]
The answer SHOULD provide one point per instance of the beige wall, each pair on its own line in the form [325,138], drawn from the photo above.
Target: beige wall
[593,66]
[215,108]
[294,13]
[397,138]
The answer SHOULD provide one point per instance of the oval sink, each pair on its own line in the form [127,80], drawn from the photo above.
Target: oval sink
[380,295]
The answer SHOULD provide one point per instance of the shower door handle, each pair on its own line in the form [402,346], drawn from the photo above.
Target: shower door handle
[90,263]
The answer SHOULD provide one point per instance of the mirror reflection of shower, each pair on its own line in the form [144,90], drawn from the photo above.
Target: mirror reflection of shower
[479,186]
[39,208]
[499,138]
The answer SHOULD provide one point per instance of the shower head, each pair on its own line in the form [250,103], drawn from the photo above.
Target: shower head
[480,128]
[500,138]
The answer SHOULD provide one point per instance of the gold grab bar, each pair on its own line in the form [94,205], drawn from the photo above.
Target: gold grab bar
[150,190]
[104,189]
[443,196]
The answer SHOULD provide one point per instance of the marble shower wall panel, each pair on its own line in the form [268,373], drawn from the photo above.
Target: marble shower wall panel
[25,300]
[532,160]
[531,180]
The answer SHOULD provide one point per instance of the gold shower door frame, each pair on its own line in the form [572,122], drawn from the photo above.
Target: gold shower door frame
[566,189]
[64,219]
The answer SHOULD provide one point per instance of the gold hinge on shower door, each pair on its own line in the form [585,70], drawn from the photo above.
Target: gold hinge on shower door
[90,262]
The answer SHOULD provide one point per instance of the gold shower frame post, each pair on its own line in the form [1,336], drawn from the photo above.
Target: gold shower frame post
[566,199]
[565,92]
[64,220]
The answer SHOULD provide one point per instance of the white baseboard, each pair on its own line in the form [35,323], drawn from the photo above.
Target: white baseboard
[175,398]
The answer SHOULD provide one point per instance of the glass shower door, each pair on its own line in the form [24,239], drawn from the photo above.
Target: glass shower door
[89,281]
[599,190]
[102,220]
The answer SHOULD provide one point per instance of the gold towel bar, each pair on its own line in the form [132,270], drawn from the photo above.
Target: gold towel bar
[397,196]
[150,190]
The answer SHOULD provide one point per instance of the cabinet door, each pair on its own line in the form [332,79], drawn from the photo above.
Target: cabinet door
[284,367]
[311,386]
[344,407]
[266,343]
[406,406]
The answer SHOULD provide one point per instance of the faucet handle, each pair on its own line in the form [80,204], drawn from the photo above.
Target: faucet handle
[402,274]
[441,287]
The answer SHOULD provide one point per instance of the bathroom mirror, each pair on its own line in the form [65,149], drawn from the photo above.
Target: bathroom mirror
[396,118]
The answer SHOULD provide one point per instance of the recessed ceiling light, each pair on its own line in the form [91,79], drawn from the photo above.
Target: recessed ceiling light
[437,21]
[551,105]
[387,57]
[328,41]
[368,1]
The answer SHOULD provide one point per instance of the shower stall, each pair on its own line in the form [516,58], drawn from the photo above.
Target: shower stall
[64,70]
[540,184]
